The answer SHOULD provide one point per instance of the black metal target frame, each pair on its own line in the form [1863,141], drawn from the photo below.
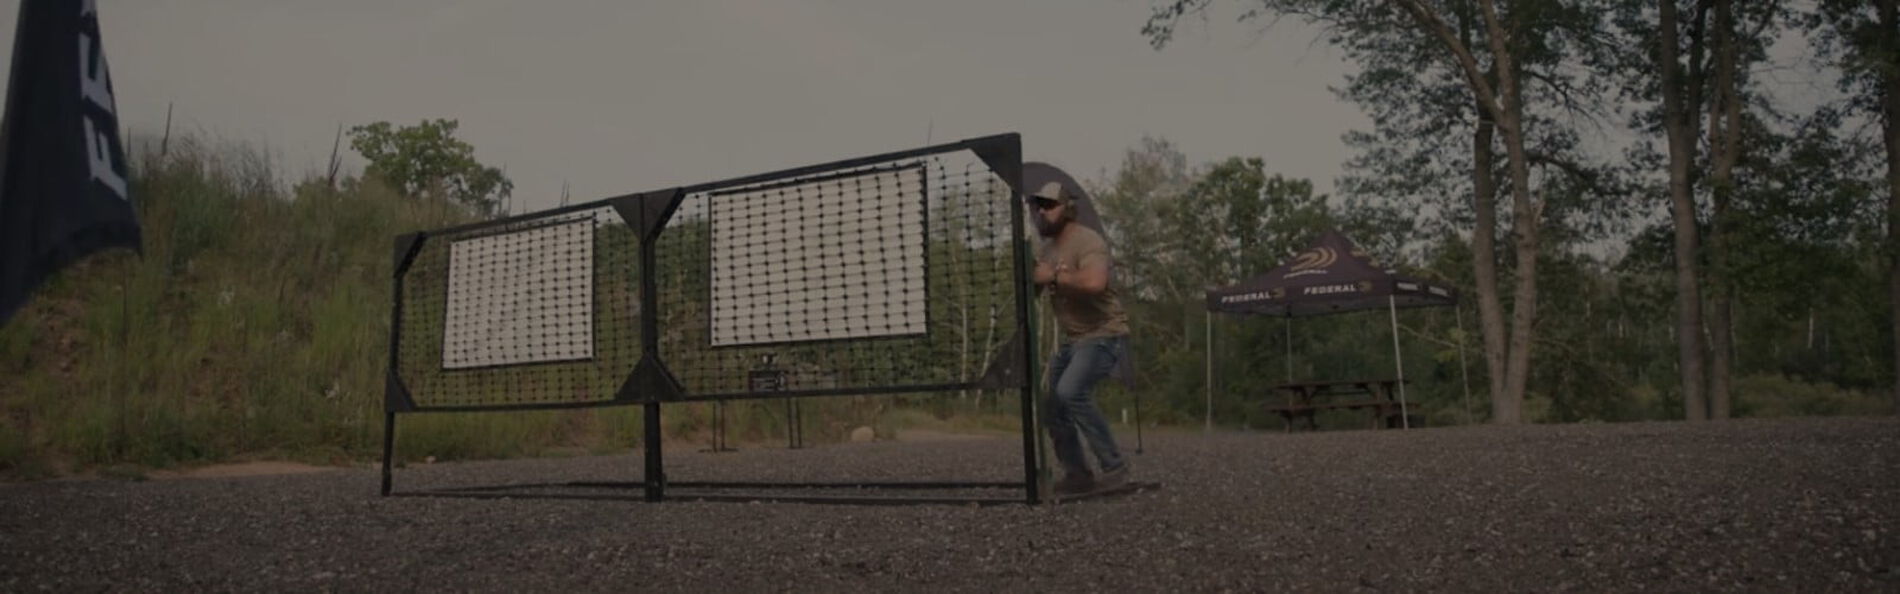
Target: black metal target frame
[807,282]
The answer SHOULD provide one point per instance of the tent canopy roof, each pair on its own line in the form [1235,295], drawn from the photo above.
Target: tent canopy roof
[1332,276]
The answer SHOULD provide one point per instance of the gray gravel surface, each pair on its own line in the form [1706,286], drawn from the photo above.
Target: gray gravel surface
[1808,505]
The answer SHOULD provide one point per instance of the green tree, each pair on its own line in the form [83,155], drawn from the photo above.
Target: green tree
[1178,232]
[1696,75]
[1863,39]
[1501,60]
[1152,174]
[427,160]
[1805,229]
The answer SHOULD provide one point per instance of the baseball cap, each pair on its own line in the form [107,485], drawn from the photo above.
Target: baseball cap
[1050,191]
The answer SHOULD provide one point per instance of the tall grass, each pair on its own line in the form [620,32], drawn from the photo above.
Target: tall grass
[255,324]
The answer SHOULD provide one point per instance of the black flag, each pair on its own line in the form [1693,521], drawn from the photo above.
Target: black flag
[63,179]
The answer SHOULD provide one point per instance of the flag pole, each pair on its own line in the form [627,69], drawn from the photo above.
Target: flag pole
[1208,387]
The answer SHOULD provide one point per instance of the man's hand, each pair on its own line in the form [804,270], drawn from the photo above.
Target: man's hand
[1045,273]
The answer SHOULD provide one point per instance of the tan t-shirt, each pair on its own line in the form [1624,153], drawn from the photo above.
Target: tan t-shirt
[1083,316]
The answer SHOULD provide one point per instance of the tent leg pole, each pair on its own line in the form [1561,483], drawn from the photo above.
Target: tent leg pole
[1209,386]
[1398,360]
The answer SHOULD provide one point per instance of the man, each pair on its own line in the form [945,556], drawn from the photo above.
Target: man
[1072,267]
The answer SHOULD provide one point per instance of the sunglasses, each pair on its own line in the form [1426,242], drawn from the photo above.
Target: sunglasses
[1045,203]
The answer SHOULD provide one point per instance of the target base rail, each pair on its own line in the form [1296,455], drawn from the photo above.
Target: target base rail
[820,492]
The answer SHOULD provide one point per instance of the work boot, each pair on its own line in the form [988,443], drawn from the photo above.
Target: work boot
[1113,478]
[1075,482]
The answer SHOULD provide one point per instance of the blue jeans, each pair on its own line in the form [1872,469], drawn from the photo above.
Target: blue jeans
[1070,412]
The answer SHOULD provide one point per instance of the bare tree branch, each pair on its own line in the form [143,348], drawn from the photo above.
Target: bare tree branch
[1487,97]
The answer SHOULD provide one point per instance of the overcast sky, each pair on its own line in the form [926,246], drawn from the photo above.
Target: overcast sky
[621,96]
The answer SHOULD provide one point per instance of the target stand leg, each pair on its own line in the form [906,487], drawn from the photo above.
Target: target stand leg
[720,445]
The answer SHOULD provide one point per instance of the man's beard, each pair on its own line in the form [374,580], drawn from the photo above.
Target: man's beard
[1048,229]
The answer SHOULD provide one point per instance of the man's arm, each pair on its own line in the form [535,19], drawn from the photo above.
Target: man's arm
[1088,279]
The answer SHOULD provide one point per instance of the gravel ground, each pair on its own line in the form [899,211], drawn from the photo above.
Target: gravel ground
[1747,505]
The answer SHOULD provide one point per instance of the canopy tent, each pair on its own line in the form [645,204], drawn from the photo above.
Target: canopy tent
[1333,276]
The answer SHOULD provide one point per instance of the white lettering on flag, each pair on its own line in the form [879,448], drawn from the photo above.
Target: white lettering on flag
[99,154]
[95,85]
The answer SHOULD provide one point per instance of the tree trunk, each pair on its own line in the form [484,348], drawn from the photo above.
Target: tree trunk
[1725,131]
[1721,332]
[1890,106]
[1484,235]
[1484,258]
[1503,103]
[1678,127]
[1524,217]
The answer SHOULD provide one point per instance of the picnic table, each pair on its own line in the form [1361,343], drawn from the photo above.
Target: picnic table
[1302,400]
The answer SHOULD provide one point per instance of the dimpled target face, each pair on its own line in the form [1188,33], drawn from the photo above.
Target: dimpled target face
[832,257]
[889,272]
[520,297]
[540,309]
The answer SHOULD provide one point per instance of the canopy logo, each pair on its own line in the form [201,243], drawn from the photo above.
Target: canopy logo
[1314,261]
[1359,287]
[1273,293]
